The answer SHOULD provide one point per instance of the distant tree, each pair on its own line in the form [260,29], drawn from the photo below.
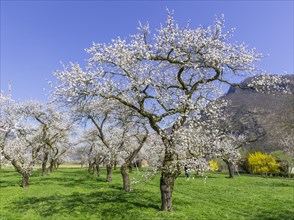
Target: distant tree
[118,133]
[55,129]
[94,150]
[110,134]
[286,162]
[288,142]
[135,140]
[20,139]
[228,150]
[82,154]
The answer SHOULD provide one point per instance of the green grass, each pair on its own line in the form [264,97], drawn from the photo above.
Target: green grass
[71,193]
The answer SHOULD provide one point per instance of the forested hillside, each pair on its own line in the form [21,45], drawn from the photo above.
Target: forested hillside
[265,115]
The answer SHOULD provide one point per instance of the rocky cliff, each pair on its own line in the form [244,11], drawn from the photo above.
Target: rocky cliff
[265,115]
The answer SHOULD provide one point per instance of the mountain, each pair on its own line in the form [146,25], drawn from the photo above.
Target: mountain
[265,115]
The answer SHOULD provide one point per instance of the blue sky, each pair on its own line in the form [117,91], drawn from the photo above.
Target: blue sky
[37,35]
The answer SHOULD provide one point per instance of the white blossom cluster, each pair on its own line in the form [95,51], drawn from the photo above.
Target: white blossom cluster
[266,83]
[92,145]
[116,132]
[147,69]
[227,148]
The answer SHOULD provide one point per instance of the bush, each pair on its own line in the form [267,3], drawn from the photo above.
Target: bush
[260,163]
[213,165]
[285,161]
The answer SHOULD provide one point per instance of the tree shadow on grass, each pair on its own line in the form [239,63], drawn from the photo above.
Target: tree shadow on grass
[107,204]
[7,173]
[9,178]
[275,184]
[61,181]
[9,183]
[286,215]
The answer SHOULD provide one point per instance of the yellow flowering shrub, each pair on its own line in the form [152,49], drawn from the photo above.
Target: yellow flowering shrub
[213,165]
[262,163]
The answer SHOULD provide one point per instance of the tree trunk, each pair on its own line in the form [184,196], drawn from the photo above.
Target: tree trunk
[91,168]
[25,174]
[115,164]
[98,169]
[97,164]
[126,177]
[169,173]
[109,173]
[231,169]
[51,166]
[25,180]
[44,163]
[187,172]
[166,188]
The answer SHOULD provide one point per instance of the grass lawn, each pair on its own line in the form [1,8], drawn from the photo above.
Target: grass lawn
[71,193]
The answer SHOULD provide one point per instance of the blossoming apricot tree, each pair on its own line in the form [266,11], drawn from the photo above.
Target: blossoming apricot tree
[167,78]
